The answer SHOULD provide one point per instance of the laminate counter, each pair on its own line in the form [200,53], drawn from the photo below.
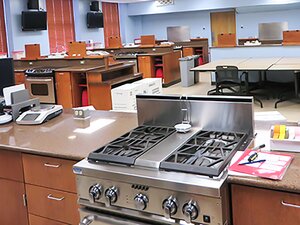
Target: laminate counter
[65,137]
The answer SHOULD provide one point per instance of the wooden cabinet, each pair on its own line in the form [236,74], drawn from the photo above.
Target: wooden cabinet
[187,51]
[36,220]
[146,66]
[12,191]
[19,78]
[64,89]
[264,207]
[163,65]
[50,190]
[52,204]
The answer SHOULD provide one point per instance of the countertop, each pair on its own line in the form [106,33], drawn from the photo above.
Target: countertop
[81,68]
[291,179]
[66,137]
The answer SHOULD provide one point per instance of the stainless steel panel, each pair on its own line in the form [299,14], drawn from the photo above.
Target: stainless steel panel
[183,182]
[271,31]
[222,113]
[33,82]
[209,206]
[100,218]
[178,33]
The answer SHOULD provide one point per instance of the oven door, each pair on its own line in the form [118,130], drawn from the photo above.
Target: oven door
[42,88]
[90,217]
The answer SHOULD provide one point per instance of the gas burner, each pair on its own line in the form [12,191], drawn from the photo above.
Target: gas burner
[127,148]
[206,153]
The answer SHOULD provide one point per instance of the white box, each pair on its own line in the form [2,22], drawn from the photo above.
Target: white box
[124,97]
[151,85]
[292,144]
[264,120]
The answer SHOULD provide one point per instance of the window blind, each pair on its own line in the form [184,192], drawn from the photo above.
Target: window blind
[3,43]
[60,24]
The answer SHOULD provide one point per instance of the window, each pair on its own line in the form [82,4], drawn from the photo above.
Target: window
[111,20]
[3,46]
[60,24]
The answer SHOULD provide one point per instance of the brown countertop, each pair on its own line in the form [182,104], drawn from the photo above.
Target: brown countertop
[66,137]
[290,181]
[81,68]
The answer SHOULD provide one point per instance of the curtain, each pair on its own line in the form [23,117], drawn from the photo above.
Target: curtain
[60,24]
[3,43]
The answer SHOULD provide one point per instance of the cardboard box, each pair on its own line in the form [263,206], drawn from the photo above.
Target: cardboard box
[151,85]
[264,120]
[124,97]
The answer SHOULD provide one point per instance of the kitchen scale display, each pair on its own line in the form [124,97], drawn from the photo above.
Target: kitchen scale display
[39,114]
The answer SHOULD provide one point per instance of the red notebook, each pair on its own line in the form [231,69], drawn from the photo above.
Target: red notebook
[270,165]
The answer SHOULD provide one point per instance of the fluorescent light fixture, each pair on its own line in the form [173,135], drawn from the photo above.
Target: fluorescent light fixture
[94,126]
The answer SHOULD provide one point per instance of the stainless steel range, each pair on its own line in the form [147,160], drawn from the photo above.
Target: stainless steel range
[156,175]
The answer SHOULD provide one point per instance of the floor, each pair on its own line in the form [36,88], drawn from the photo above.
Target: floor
[289,109]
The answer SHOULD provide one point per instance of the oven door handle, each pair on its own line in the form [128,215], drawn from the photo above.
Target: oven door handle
[39,80]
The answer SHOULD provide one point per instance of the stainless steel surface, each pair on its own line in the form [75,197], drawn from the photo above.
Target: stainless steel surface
[271,31]
[157,186]
[160,152]
[178,33]
[143,190]
[41,88]
[104,218]
[206,112]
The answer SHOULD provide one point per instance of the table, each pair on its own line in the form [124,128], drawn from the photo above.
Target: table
[259,64]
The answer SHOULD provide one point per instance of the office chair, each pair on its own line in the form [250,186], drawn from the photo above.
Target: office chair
[228,78]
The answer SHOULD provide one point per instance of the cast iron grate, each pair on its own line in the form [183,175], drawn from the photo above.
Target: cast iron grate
[127,148]
[205,153]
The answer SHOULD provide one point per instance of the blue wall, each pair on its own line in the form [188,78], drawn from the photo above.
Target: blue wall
[18,38]
[82,33]
[250,21]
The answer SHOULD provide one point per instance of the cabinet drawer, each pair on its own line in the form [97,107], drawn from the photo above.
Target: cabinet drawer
[49,172]
[36,220]
[264,207]
[11,165]
[52,204]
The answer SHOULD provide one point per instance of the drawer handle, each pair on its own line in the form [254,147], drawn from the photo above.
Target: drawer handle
[52,165]
[50,196]
[290,205]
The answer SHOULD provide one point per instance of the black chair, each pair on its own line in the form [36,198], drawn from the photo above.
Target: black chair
[228,78]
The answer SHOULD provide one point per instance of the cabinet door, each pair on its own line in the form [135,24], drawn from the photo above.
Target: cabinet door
[12,208]
[36,220]
[63,89]
[188,52]
[49,172]
[11,165]
[19,78]
[146,66]
[257,206]
[52,204]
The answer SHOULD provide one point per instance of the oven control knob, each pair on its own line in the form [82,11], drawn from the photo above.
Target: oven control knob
[170,207]
[141,201]
[190,211]
[111,196]
[95,192]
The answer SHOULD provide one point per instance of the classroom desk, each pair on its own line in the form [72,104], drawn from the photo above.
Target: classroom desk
[262,65]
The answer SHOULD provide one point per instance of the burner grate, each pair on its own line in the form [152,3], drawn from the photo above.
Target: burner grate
[127,148]
[206,153]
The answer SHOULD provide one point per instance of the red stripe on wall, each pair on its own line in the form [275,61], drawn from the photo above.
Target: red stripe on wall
[60,24]
[111,20]
[3,43]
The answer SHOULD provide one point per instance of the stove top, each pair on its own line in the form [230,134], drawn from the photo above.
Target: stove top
[127,148]
[206,153]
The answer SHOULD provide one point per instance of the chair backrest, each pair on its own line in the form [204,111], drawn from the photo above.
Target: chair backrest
[227,74]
